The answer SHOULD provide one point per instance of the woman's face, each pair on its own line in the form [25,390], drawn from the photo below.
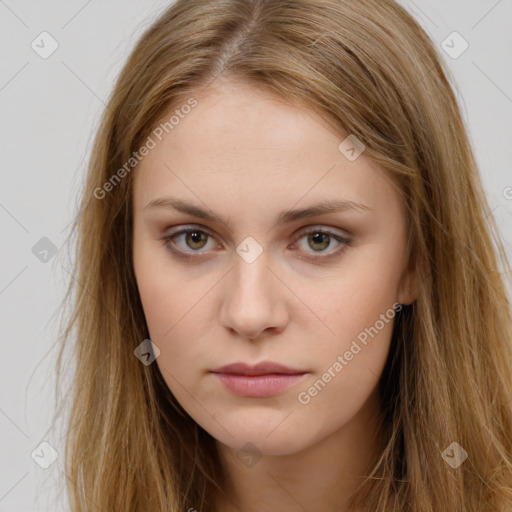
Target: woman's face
[248,284]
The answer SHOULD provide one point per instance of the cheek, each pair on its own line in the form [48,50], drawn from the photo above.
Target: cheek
[166,293]
[350,364]
[354,356]
[335,396]
[174,301]
[173,327]
[171,314]
[354,295]
[357,310]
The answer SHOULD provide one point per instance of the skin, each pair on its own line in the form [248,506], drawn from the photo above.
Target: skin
[248,155]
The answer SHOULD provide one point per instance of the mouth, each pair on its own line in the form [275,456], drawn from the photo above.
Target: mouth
[258,381]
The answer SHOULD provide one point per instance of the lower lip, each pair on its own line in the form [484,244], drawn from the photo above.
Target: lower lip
[258,386]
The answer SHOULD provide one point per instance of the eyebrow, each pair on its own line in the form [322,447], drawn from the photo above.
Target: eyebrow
[285,217]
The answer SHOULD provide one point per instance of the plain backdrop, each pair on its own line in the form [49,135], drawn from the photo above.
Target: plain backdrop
[49,109]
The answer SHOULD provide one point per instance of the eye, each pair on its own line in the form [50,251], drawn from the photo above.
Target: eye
[320,239]
[194,240]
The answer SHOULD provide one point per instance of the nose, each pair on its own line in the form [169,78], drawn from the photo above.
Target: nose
[254,299]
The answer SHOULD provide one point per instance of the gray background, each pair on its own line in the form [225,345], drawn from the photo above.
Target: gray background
[49,109]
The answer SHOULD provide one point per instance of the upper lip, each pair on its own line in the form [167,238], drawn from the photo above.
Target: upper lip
[263,368]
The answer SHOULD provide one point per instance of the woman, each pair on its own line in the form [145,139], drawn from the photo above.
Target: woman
[289,297]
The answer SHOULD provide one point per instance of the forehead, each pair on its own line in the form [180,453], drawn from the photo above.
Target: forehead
[248,146]
[238,122]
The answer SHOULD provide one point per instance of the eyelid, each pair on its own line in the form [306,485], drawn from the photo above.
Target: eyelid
[184,228]
[167,237]
[301,232]
[321,228]
[342,238]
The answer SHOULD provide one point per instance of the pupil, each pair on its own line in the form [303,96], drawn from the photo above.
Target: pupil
[195,237]
[318,237]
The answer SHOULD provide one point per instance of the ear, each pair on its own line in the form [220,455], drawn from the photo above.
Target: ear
[409,288]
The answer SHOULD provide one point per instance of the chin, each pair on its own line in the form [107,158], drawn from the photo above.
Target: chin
[269,434]
[257,444]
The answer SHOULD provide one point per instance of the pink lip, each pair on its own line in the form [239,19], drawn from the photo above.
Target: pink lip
[257,381]
[263,368]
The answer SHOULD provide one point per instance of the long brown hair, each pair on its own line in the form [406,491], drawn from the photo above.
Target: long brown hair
[369,68]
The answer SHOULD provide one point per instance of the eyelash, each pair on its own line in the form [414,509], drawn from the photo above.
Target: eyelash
[168,242]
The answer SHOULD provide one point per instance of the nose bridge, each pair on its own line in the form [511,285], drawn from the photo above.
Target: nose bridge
[252,302]
[251,277]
